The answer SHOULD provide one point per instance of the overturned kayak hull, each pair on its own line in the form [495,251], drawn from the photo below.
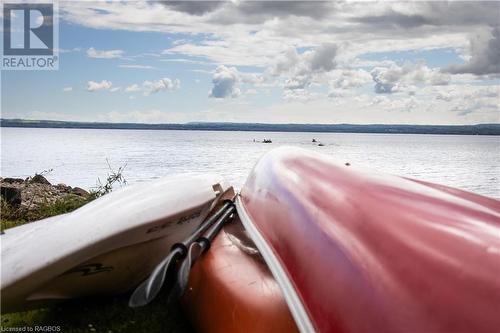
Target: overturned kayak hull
[359,251]
[232,290]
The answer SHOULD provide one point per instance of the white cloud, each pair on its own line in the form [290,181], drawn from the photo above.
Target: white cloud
[484,54]
[184,61]
[253,33]
[136,66]
[300,95]
[95,86]
[302,70]
[225,83]
[75,49]
[285,61]
[396,78]
[109,54]
[317,60]
[354,108]
[165,84]
[251,92]
[348,78]
[67,89]
[299,82]
[379,100]
[323,58]
[133,88]
[310,48]
[144,116]
[152,87]
[468,99]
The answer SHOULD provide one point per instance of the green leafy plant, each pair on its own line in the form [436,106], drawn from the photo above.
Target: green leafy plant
[115,177]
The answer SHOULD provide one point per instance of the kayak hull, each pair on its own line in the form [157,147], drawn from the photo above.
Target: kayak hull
[106,247]
[232,290]
[360,251]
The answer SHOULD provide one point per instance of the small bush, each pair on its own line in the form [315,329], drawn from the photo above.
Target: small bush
[114,178]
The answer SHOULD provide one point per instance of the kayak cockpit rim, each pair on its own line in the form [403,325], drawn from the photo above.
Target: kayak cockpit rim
[292,299]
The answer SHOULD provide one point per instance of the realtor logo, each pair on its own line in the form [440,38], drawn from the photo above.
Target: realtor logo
[30,34]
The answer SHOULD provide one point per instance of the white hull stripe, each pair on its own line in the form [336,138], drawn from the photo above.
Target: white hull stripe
[292,299]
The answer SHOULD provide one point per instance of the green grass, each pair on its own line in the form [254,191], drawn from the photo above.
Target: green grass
[105,314]
[11,217]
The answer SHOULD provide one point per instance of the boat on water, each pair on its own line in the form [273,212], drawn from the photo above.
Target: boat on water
[309,244]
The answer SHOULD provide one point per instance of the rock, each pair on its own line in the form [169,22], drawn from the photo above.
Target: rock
[11,195]
[28,196]
[80,191]
[13,180]
[64,188]
[40,180]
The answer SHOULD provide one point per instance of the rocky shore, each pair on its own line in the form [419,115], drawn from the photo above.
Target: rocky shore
[24,197]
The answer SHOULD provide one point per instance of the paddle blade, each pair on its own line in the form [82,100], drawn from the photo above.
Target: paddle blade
[195,250]
[149,288]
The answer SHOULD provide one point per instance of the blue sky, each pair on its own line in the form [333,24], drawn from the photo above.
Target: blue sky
[266,62]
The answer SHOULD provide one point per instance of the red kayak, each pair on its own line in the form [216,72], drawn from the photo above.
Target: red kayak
[360,251]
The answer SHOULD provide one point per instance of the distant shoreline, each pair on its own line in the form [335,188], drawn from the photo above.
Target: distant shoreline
[479,129]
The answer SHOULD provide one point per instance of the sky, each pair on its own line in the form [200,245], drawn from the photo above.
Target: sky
[268,62]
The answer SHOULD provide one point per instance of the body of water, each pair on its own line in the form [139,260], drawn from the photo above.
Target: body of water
[79,156]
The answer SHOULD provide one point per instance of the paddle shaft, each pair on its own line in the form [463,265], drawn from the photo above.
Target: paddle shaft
[201,245]
[201,229]
[207,238]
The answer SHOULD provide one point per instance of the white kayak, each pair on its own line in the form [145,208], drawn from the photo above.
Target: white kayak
[106,247]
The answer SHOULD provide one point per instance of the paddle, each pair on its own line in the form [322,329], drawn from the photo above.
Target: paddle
[198,248]
[150,287]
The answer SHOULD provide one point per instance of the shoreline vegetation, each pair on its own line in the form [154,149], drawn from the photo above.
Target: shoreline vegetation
[34,198]
[478,129]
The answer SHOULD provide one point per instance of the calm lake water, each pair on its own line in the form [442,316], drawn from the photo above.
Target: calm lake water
[78,156]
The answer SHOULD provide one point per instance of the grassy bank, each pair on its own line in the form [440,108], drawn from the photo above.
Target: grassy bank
[110,314]
[104,315]
[11,217]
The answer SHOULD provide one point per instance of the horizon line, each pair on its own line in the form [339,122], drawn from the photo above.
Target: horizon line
[235,123]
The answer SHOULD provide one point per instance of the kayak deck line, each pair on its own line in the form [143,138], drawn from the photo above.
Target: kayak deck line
[291,297]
